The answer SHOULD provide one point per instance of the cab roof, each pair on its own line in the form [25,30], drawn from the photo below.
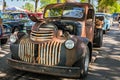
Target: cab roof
[72,4]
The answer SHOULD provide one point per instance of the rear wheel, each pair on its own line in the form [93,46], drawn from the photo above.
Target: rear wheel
[98,38]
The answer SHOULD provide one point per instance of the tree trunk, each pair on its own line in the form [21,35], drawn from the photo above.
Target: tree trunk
[4,5]
[36,4]
[58,1]
[88,1]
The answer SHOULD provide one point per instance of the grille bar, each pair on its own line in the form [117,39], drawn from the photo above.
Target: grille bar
[42,36]
[46,29]
[26,50]
[49,53]
[38,32]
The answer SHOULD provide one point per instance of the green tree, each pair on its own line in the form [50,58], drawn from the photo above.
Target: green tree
[35,1]
[29,6]
[105,5]
[85,1]
[46,2]
[115,8]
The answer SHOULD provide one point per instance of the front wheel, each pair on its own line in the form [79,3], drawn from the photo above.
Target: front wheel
[84,64]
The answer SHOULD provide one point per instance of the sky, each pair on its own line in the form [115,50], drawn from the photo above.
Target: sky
[14,3]
[18,3]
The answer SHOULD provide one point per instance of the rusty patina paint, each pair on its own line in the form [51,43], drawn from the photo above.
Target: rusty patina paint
[45,48]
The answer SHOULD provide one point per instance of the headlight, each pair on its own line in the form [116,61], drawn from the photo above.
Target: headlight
[69,44]
[13,38]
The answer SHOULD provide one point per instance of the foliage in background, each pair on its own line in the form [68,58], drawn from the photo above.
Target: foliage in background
[116,7]
[29,7]
[83,1]
[46,2]
[109,6]
[106,5]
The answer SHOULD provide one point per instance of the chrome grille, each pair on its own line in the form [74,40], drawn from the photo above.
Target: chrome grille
[43,34]
[48,53]
[26,51]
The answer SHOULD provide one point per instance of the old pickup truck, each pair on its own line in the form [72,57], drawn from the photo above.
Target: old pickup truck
[60,44]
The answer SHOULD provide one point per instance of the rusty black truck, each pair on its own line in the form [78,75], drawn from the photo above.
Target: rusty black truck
[60,44]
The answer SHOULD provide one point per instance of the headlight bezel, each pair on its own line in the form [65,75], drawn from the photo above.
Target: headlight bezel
[69,44]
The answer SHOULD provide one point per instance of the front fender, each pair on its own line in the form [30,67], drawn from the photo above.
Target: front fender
[87,43]
[14,51]
[84,40]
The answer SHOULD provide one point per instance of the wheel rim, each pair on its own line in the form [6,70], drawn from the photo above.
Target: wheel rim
[86,62]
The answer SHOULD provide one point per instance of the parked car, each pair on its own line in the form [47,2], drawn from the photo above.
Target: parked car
[61,44]
[107,22]
[19,15]
[10,24]
[110,18]
[115,16]
[3,36]
[98,35]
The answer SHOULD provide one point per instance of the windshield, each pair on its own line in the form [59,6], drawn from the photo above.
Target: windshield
[19,15]
[6,16]
[68,11]
[105,15]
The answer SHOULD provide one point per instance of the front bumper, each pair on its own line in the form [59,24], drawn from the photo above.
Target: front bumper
[73,72]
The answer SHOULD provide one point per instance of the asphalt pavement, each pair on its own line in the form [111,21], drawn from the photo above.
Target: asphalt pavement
[107,62]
